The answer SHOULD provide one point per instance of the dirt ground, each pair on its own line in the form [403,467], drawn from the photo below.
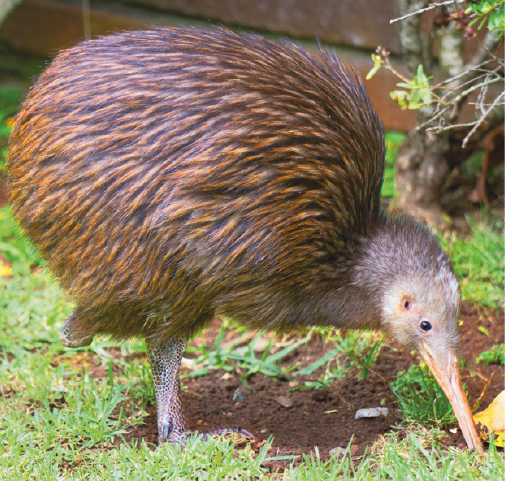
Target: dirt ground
[324,418]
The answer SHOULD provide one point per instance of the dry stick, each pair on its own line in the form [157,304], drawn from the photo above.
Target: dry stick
[385,381]
[435,117]
[451,127]
[454,102]
[488,380]
[481,120]
[430,7]
[345,401]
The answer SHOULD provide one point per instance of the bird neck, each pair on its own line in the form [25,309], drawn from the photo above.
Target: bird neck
[357,295]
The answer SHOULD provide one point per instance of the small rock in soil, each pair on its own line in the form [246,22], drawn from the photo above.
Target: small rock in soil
[371,413]
[238,397]
[336,452]
[284,401]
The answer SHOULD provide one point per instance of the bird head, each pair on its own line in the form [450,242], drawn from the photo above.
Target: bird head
[419,300]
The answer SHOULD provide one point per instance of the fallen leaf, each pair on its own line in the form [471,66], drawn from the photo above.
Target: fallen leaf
[5,270]
[492,420]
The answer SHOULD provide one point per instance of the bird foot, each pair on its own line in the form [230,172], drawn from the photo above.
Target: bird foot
[232,431]
[166,434]
[68,339]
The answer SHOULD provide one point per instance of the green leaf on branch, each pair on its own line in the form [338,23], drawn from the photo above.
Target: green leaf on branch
[492,11]
[400,97]
[378,63]
[419,94]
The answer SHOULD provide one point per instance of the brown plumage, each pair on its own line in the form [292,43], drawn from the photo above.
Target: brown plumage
[172,175]
[191,172]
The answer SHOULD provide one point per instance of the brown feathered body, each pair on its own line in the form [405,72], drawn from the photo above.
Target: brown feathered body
[172,175]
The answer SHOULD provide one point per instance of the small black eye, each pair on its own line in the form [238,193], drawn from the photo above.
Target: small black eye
[425,326]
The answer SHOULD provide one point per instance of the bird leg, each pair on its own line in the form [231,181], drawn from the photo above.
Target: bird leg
[165,361]
[68,337]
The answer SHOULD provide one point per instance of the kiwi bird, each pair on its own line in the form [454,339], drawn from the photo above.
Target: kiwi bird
[173,175]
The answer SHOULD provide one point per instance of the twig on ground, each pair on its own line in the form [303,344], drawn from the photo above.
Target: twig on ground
[488,380]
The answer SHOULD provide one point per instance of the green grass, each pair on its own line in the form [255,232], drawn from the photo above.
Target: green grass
[479,262]
[496,355]
[421,399]
[9,101]
[393,142]
[355,349]
[416,457]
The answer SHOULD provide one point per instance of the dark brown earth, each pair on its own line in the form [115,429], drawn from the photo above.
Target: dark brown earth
[307,423]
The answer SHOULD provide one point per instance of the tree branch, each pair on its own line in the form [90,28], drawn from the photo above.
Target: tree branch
[430,7]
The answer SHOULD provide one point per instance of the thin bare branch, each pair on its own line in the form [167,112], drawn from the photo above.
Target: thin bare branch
[451,127]
[486,49]
[483,118]
[431,6]
[432,119]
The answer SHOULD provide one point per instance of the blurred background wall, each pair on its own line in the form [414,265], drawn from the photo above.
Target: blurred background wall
[34,30]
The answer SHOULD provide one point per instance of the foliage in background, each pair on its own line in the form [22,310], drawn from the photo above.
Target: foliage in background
[496,355]
[490,11]
[421,399]
[393,142]
[448,95]
[479,262]
[9,102]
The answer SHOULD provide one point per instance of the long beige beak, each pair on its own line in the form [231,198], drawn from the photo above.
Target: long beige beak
[451,385]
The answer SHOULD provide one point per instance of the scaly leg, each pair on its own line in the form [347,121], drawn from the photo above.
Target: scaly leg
[165,361]
[68,338]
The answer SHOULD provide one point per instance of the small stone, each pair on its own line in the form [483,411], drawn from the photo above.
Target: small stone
[284,401]
[238,397]
[371,413]
[336,452]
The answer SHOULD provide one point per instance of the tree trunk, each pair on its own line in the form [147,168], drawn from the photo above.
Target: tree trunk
[422,164]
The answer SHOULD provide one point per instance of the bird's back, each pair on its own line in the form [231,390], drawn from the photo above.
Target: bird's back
[176,168]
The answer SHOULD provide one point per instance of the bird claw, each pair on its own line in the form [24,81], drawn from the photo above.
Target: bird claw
[234,430]
[68,338]
[166,430]
[183,437]
[69,341]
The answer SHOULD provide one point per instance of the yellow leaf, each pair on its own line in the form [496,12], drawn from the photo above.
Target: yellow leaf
[5,270]
[493,420]
[500,440]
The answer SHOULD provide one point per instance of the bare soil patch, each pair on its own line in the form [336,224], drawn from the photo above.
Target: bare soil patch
[325,418]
